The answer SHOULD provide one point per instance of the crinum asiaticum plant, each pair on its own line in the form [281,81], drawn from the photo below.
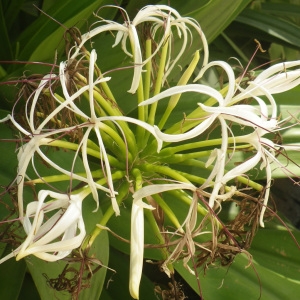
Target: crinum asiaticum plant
[153,163]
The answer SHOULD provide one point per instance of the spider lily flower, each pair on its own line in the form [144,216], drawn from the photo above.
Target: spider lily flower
[137,230]
[260,118]
[162,18]
[63,226]
[52,238]
[228,108]
[42,135]
[27,154]
[94,123]
[275,79]
[69,100]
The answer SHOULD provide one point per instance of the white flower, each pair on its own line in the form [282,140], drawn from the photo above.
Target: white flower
[163,18]
[275,79]
[27,154]
[261,119]
[137,230]
[43,134]
[54,237]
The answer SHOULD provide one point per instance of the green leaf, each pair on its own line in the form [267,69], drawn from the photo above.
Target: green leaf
[282,258]
[287,10]
[45,33]
[28,290]
[274,271]
[8,162]
[5,49]
[117,284]
[273,29]
[11,277]
[214,20]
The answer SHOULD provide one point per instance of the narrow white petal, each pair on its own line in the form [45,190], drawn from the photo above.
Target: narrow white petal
[108,175]
[16,124]
[137,54]
[93,58]
[242,168]
[46,79]
[280,67]
[230,74]
[111,26]
[267,192]
[221,163]
[196,131]
[160,188]
[68,219]
[198,88]
[30,236]
[89,176]
[136,249]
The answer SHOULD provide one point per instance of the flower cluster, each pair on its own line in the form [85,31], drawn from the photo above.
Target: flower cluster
[75,110]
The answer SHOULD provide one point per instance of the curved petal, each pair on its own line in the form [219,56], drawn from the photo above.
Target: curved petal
[136,249]
[137,54]
[230,74]
[198,88]
[196,131]
[64,222]
[160,188]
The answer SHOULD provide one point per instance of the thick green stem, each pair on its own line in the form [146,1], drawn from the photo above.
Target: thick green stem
[158,235]
[122,192]
[194,145]
[182,81]
[62,177]
[179,158]
[140,131]
[123,151]
[73,146]
[158,82]
[165,171]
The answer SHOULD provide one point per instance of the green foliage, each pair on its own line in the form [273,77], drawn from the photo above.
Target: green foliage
[271,273]
[230,27]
